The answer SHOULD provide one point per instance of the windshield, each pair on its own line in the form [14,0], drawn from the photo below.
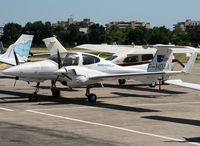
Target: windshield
[67,58]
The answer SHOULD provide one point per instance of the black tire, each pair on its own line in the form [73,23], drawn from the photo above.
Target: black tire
[33,97]
[153,85]
[122,81]
[56,93]
[92,98]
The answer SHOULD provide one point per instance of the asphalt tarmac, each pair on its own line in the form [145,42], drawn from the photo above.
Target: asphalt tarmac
[133,114]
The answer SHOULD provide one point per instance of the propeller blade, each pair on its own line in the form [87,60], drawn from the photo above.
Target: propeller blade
[16,78]
[14,83]
[16,59]
[59,60]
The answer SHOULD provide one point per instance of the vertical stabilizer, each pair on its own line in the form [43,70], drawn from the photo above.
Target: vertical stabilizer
[162,60]
[2,51]
[54,45]
[190,63]
[21,47]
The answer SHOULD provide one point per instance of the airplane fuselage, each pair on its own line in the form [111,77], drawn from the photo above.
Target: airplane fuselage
[45,70]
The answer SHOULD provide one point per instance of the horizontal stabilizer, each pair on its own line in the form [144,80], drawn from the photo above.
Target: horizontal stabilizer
[183,84]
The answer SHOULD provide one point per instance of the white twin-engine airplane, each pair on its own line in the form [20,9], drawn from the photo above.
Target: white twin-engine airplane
[76,69]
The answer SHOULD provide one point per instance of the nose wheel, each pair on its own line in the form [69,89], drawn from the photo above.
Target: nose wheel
[55,91]
[33,97]
[91,97]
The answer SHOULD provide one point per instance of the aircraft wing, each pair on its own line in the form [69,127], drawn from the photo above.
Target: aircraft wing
[95,75]
[183,84]
[117,48]
[136,49]
[109,77]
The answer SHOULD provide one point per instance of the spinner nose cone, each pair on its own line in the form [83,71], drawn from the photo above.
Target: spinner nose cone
[13,71]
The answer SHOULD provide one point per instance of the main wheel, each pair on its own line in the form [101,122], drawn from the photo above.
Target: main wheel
[122,81]
[56,93]
[92,98]
[152,85]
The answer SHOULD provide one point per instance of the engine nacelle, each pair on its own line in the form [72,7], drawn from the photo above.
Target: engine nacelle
[76,81]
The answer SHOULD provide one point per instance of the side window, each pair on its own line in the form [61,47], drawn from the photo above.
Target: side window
[131,59]
[88,59]
[71,59]
[147,57]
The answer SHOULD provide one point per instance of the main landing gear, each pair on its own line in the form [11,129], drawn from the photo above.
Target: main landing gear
[91,97]
[55,91]
[33,97]
[152,85]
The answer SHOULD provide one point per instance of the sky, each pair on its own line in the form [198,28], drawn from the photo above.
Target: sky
[157,12]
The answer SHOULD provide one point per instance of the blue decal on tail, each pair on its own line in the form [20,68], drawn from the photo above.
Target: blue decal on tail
[160,58]
[22,49]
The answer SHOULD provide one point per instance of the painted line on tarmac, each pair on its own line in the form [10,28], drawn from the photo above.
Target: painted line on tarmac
[6,109]
[65,108]
[170,103]
[133,105]
[113,127]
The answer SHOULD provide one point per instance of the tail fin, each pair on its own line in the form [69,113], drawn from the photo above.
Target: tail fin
[54,45]
[162,60]
[190,63]
[21,47]
[2,51]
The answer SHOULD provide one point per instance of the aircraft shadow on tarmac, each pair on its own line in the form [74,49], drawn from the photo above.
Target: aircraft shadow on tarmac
[193,139]
[140,87]
[181,121]
[174,120]
[49,100]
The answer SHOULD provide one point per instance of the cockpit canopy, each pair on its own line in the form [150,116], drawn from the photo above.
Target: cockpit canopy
[73,58]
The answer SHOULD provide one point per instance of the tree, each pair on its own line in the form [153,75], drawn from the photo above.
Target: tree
[160,35]
[73,32]
[138,36]
[194,34]
[12,31]
[180,38]
[39,30]
[115,35]
[96,34]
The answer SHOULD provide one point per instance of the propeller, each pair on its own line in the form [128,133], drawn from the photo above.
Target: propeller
[59,64]
[16,59]
[59,59]
[17,63]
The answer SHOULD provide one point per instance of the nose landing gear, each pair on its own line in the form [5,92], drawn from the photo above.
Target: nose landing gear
[55,91]
[33,97]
